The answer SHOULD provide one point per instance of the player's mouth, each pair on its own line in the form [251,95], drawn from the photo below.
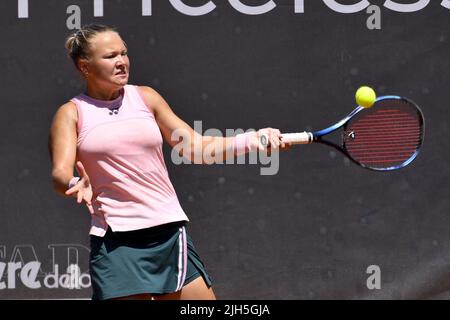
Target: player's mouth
[122,73]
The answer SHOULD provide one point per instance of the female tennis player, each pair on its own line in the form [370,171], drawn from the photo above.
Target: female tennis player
[112,134]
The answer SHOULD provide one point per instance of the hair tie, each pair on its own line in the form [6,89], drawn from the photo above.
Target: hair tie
[75,45]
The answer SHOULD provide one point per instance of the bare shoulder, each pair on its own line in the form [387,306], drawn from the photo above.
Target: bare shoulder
[151,98]
[148,91]
[67,112]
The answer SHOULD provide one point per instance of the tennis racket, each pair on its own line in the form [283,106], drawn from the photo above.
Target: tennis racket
[387,136]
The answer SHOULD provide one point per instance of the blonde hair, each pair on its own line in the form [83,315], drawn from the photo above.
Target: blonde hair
[77,44]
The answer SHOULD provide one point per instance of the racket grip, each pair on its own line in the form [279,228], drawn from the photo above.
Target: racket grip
[297,138]
[292,138]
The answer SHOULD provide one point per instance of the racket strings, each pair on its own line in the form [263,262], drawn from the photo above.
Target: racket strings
[384,137]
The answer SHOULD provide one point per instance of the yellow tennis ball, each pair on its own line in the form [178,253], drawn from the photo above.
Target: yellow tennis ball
[365,97]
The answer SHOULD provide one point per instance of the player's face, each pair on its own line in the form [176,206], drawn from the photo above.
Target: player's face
[108,62]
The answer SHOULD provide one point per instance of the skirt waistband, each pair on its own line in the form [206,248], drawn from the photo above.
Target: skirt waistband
[147,232]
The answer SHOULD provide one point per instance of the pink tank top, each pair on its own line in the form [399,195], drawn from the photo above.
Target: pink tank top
[120,146]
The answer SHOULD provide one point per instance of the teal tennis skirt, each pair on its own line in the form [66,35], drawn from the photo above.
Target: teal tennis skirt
[155,260]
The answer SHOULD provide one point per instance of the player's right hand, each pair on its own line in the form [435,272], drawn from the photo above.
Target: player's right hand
[274,140]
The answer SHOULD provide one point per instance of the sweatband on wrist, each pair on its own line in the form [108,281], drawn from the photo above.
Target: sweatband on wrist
[242,142]
[73,181]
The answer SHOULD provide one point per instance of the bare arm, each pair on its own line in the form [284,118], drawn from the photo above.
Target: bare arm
[190,144]
[62,145]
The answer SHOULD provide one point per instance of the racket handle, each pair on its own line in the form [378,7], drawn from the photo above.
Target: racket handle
[292,138]
[298,137]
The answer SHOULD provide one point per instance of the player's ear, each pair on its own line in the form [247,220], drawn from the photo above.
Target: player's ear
[83,66]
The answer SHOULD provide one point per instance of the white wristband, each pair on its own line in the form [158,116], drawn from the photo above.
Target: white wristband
[242,142]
